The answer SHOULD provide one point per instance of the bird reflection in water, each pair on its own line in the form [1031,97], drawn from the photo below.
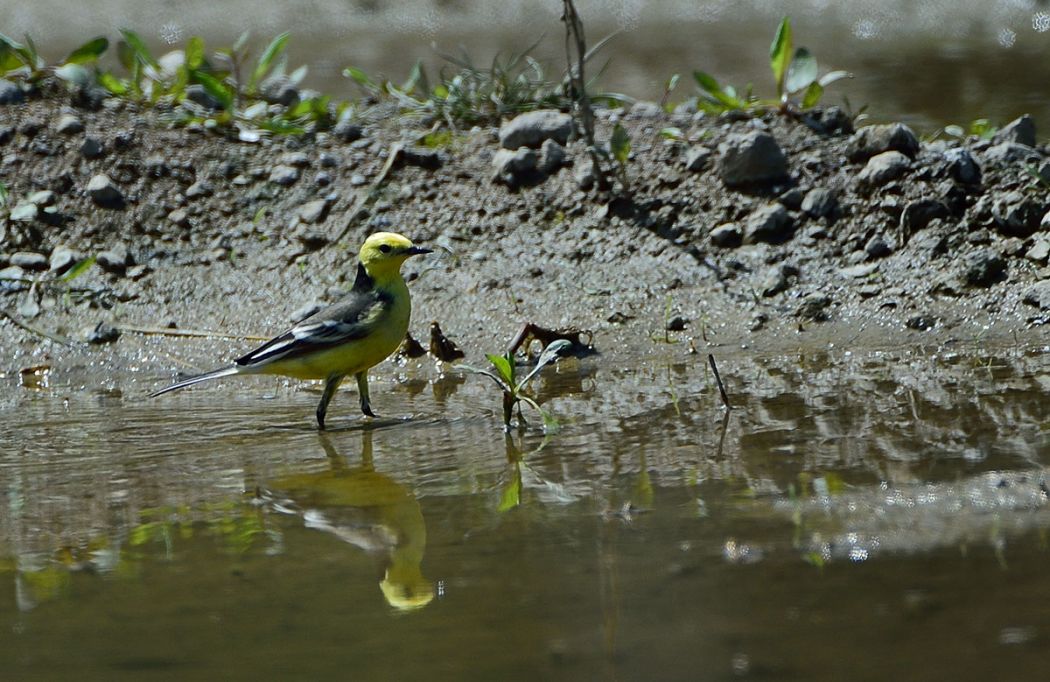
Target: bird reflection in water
[366,509]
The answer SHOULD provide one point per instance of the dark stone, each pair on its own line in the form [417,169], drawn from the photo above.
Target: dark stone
[918,214]
[820,203]
[532,128]
[103,332]
[1020,130]
[879,139]
[727,236]
[771,224]
[814,308]
[750,159]
[984,268]
[422,157]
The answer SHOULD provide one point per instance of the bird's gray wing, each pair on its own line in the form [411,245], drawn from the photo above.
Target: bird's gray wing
[353,317]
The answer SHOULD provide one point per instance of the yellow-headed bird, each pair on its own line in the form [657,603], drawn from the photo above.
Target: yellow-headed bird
[349,337]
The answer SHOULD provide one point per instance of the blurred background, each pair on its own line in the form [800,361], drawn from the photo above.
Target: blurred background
[927,62]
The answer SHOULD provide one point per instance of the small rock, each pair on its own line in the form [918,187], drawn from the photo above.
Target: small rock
[313,239]
[777,279]
[984,268]
[114,261]
[180,217]
[532,128]
[883,168]
[68,124]
[199,96]
[878,139]
[771,224]
[284,175]
[157,165]
[201,188]
[697,158]
[44,197]
[792,199]
[104,192]
[1020,130]
[918,214]
[962,167]
[357,180]
[29,260]
[921,323]
[727,236]
[422,157]
[137,272]
[62,259]
[6,134]
[644,109]
[677,324]
[1009,153]
[820,203]
[835,121]
[10,93]
[877,247]
[751,158]
[514,167]
[297,159]
[323,179]
[31,126]
[1040,252]
[328,160]
[1017,214]
[25,212]
[814,307]
[279,89]
[313,211]
[347,131]
[552,157]
[585,172]
[101,333]
[1039,295]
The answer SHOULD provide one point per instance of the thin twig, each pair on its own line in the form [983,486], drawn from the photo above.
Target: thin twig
[167,331]
[33,329]
[718,379]
[574,38]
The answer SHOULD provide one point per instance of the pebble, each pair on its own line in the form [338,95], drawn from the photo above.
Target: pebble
[777,279]
[727,236]
[114,261]
[883,168]
[422,157]
[792,199]
[29,260]
[279,89]
[357,180]
[1040,252]
[180,217]
[918,214]
[512,167]
[874,140]
[328,160]
[552,157]
[62,259]
[10,93]
[814,307]
[1017,214]
[313,239]
[532,128]
[104,192]
[877,247]
[698,158]
[962,167]
[323,179]
[984,268]
[284,175]
[347,131]
[585,172]
[1020,130]
[101,333]
[297,159]
[68,124]
[1008,153]
[751,158]
[771,224]
[201,188]
[820,203]
[1039,295]
[199,96]
[313,211]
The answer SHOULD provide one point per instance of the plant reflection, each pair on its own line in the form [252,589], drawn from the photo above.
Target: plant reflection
[366,509]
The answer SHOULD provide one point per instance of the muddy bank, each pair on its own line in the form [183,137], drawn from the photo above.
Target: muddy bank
[772,234]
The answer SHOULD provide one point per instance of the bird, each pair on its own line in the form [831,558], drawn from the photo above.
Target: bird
[346,338]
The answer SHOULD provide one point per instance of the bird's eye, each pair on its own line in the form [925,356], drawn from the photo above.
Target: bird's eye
[385,248]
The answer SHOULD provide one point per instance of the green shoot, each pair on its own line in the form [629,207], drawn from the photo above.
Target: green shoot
[513,389]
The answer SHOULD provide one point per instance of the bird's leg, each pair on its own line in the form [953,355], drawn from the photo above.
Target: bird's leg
[330,387]
[362,390]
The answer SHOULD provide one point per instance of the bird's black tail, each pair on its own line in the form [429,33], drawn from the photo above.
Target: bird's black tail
[214,374]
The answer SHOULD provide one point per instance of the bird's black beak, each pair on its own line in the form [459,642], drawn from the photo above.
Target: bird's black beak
[417,251]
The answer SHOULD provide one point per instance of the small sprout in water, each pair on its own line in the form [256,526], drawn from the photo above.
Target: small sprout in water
[513,390]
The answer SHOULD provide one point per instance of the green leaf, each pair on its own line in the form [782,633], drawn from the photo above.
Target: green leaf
[88,52]
[813,94]
[3,195]
[511,496]
[78,269]
[672,133]
[802,71]
[550,354]
[241,42]
[138,49]
[267,58]
[780,53]
[114,85]
[194,53]
[504,366]
[358,76]
[216,88]
[620,144]
[707,82]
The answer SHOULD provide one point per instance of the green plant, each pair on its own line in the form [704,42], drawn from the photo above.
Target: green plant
[620,149]
[795,75]
[25,61]
[514,390]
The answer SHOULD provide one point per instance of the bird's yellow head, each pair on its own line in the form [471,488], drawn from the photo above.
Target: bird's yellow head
[383,253]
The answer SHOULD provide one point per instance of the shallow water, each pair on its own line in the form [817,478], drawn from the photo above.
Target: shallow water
[929,63]
[870,515]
